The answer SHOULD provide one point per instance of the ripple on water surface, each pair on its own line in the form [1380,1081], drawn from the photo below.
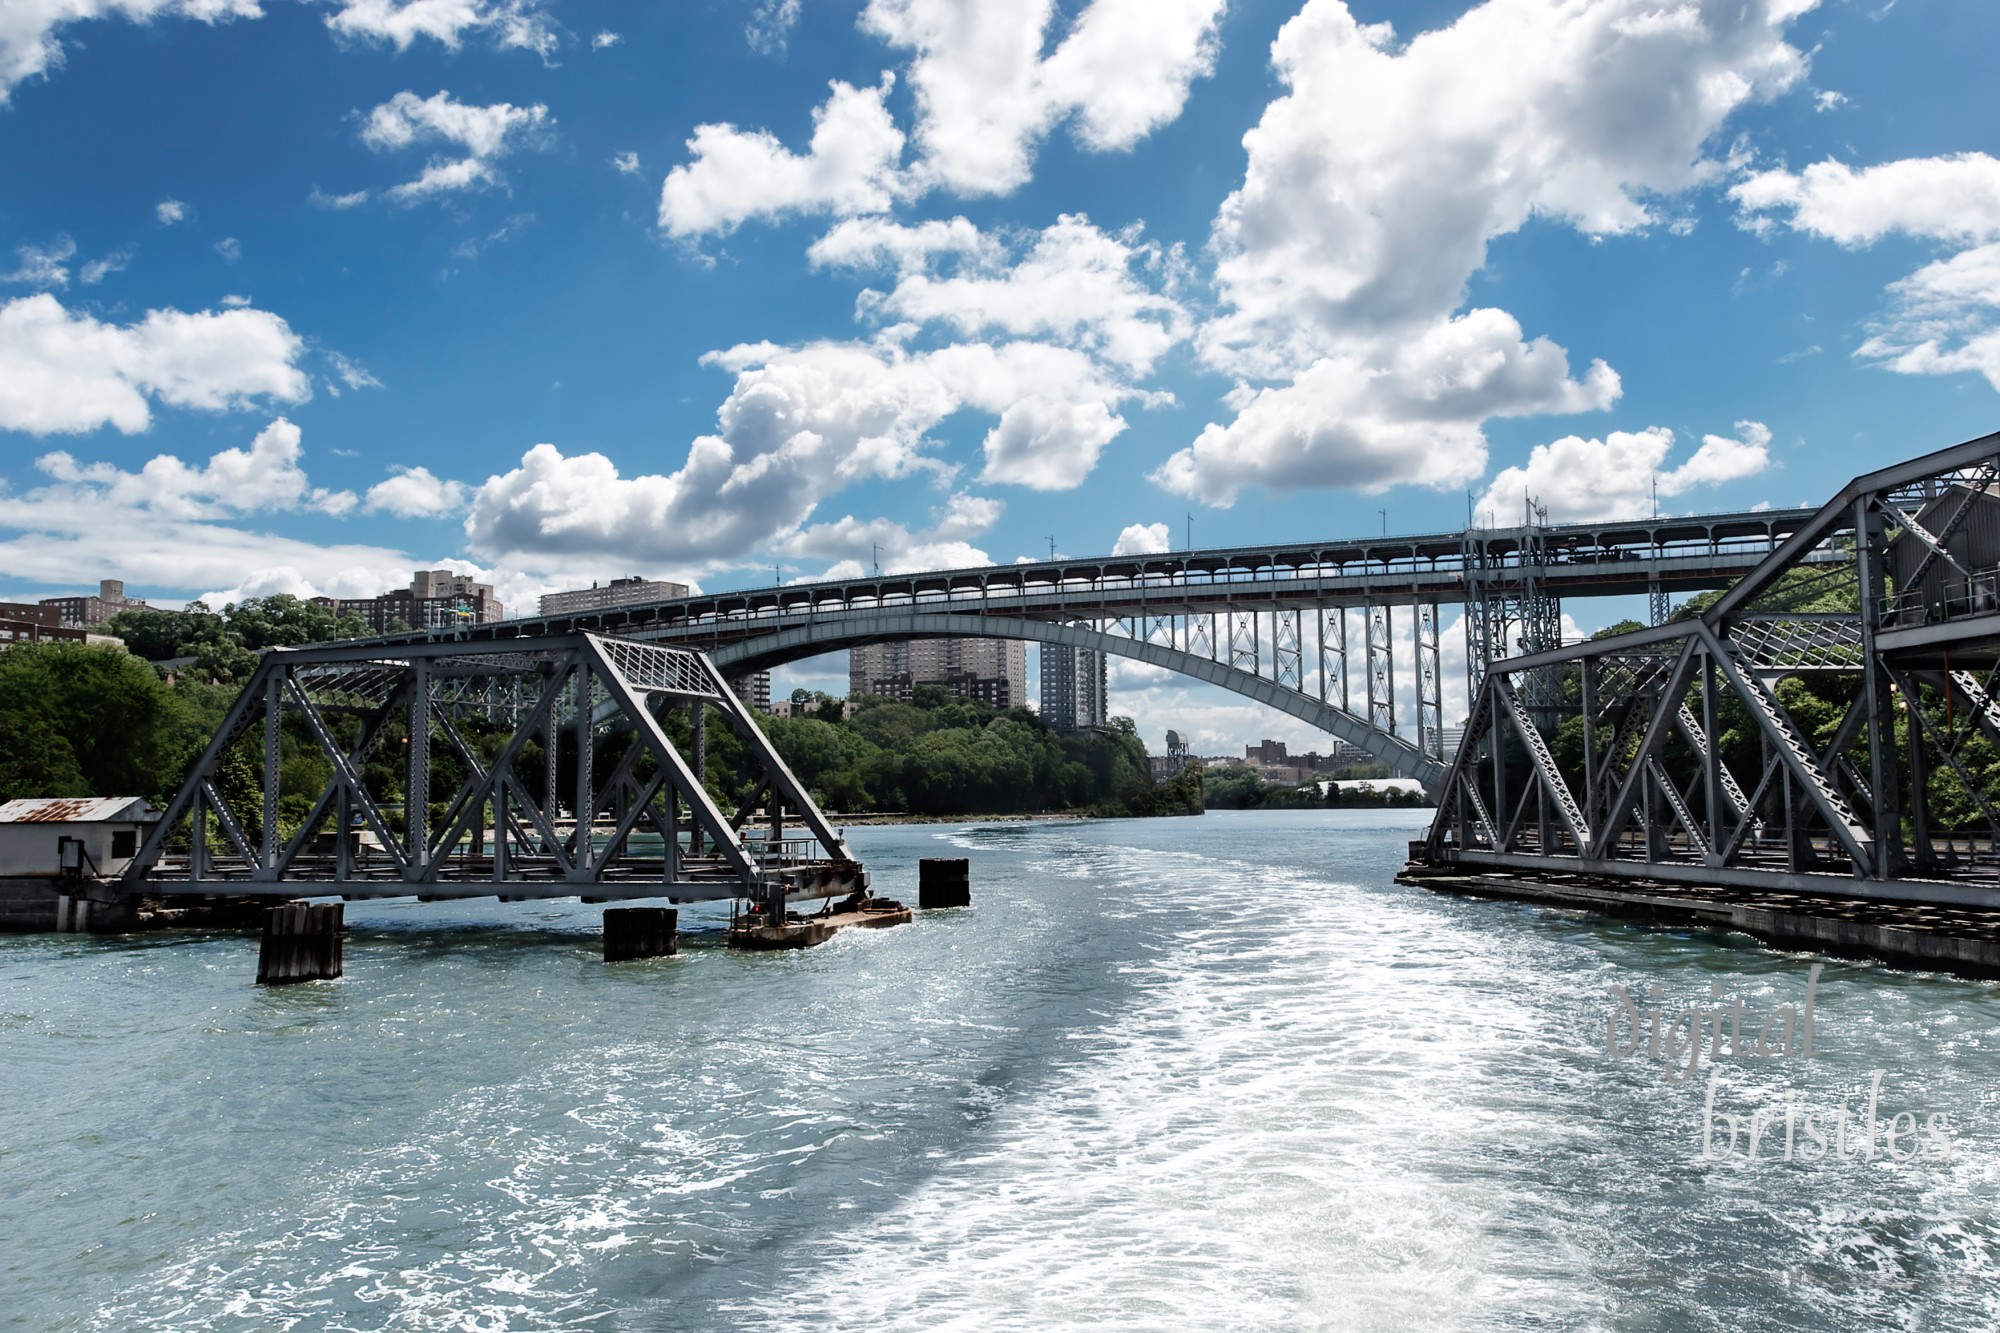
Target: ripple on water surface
[1216,1073]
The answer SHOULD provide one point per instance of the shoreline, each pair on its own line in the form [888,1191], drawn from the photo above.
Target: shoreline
[849,820]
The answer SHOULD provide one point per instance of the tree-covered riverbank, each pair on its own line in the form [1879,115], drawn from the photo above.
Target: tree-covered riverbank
[943,756]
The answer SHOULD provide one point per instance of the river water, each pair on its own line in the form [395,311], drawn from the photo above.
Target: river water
[1215,1073]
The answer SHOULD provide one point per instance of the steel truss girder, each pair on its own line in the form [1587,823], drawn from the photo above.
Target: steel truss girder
[582,686]
[1828,814]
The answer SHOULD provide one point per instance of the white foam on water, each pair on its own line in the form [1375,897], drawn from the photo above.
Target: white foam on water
[1252,1145]
[1307,1103]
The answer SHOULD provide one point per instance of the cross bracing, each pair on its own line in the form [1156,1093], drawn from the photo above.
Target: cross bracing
[1827,724]
[536,768]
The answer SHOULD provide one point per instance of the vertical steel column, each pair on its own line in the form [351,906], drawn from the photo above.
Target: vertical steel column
[698,765]
[1381,668]
[417,784]
[1920,820]
[1244,650]
[1871,565]
[551,751]
[1479,612]
[274,706]
[1430,683]
[500,829]
[1287,650]
[586,787]
[1711,760]
[1658,604]
[1591,815]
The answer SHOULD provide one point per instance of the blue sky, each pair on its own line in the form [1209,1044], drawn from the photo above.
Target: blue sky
[299,296]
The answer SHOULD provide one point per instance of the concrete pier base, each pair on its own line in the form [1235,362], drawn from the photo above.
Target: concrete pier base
[302,942]
[46,904]
[72,914]
[944,882]
[640,932]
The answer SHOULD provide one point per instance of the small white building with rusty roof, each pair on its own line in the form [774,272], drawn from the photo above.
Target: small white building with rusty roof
[72,837]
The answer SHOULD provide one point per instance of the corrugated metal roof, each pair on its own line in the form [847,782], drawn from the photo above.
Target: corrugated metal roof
[73,809]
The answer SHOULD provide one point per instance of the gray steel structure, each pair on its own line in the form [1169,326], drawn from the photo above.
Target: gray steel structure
[636,824]
[1308,628]
[1680,754]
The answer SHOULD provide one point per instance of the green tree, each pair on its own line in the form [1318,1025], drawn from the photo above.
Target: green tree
[90,720]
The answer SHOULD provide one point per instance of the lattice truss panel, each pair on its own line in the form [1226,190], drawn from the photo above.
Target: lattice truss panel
[458,769]
[1828,724]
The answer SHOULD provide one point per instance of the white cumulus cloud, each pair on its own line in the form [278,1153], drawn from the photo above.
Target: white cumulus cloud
[770,25]
[266,476]
[193,525]
[510,23]
[415,492]
[800,424]
[43,265]
[1943,319]
[1944,198]
[1375,184]
[850,166]
[484,135]
[170,211]
[29,45]
[1073,284]
[1142,539]
[1584,480]
[97,270]
[987,95]
[858,547]
[66,372]
[1383,414]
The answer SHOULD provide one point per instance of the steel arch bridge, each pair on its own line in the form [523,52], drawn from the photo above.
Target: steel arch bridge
[1335,633]
[770,650]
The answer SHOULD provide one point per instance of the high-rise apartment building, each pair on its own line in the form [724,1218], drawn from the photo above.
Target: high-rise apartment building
[754,690]
[1075,686]
[992,671]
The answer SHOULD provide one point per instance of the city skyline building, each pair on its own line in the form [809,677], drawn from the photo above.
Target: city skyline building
[1075,684]
[435,599]
[79,612]
[618,592]
[991,671]
[754,690]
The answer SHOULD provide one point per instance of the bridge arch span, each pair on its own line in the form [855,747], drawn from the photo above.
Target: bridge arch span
[795,644]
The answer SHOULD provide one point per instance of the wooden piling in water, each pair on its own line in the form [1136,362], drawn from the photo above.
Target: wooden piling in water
[302,942]
[944,882]
[640,932]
